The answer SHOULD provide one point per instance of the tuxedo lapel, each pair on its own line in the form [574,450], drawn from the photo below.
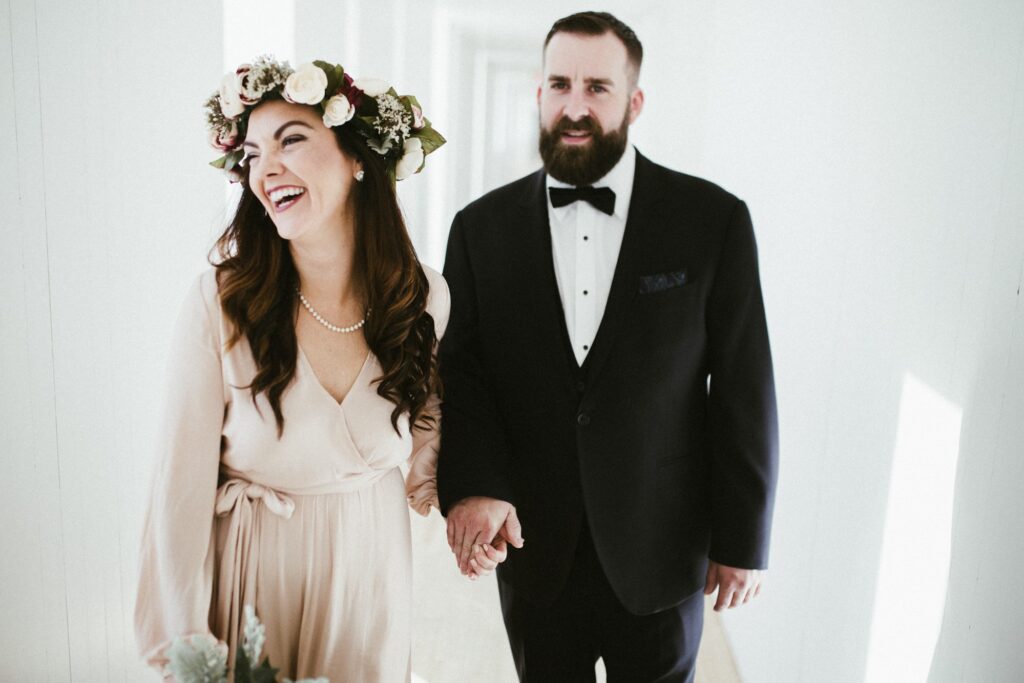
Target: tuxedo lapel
[540,257]
[641,221]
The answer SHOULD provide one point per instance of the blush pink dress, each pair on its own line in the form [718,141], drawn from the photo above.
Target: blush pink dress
[312,528]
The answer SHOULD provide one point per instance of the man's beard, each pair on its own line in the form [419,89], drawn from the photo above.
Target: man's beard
[582,164]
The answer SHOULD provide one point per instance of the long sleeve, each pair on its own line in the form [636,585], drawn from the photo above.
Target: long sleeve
[176,559]
[741,409]
[421,482]
[474,449]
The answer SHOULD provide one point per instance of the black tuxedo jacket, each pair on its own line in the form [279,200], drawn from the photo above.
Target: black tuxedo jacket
[668,467]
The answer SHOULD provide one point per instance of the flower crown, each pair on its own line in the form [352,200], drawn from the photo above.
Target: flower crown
[392,124]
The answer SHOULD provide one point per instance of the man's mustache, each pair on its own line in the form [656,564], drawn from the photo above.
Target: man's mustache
[585,124]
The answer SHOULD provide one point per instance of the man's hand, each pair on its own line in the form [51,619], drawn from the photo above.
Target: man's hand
[735,586]
[478,520]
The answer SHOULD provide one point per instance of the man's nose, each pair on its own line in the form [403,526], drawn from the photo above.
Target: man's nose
[576,107]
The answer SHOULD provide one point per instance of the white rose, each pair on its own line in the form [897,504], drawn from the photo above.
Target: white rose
[248,95]
[306,85]
[412,159]
[231,104]
[338,111]
[372,86]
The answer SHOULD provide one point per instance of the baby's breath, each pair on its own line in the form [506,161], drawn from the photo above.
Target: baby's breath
[264,76]
[214,116]
[393,121]
[254,634]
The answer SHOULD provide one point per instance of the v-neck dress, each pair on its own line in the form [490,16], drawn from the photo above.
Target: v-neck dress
[310,528]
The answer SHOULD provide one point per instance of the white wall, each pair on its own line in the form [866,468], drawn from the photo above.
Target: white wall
[106,216]
[880,148]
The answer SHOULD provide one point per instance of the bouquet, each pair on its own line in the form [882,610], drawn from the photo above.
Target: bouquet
[204,659]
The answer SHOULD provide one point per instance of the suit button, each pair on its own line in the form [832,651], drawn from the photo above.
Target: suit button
[583,419]
[580,386]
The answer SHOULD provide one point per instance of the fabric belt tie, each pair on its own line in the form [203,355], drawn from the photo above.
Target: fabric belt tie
[231,491]
[238,564]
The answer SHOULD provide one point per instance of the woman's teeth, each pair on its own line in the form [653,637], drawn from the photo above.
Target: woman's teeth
[286,196]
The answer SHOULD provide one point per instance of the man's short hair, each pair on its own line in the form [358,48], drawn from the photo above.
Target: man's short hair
[597,24]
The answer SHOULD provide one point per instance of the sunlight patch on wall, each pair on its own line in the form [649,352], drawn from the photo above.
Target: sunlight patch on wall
[914,565]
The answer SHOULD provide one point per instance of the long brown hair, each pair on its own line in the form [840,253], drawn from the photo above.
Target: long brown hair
[257,280]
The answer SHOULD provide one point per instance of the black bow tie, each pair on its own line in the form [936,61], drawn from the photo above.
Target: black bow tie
[601,198]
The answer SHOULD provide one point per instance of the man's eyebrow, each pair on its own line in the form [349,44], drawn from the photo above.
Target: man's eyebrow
[554,78]
[279,131]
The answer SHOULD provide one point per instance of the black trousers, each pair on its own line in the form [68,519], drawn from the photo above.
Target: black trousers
[562,641]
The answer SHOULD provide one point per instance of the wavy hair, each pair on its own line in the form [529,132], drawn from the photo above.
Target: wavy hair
[257,279]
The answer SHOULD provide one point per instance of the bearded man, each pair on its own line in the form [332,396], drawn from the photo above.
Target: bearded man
[608,383]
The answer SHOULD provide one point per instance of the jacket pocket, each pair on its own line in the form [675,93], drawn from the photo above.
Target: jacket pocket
[651,284]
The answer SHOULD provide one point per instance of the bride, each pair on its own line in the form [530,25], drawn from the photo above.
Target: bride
[302,374]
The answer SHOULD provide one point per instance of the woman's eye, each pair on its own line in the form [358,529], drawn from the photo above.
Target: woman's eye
[249,159]
[291,140]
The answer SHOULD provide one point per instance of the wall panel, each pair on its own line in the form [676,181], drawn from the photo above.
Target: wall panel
[107,215]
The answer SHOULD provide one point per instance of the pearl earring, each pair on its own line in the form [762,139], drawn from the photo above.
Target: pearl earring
[360,174]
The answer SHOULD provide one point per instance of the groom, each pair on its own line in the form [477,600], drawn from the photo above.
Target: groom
[608,384]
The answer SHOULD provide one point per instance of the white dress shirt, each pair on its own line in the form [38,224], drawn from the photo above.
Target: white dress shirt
[585,245]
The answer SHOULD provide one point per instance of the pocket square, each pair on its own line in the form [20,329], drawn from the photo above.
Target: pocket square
[656,283]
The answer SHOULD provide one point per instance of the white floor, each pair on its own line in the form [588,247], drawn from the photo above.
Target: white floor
[458,634]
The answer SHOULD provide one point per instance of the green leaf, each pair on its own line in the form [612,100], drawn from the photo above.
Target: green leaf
[228,161]
[380,147]
[335,76]
[368,108]
[430,138]
[243,670]
[265,673]
[363,126]
[232,159]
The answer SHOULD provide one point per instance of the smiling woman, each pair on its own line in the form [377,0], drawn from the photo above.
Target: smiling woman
[285,430]
[297,160]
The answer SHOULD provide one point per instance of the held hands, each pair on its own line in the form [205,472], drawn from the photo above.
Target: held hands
[735,586]
[479,532]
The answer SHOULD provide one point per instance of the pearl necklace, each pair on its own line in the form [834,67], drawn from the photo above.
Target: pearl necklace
[323,321]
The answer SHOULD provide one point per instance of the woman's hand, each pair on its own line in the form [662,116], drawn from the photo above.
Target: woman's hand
[486,557]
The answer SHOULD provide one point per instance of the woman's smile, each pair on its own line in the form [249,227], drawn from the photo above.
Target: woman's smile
[285,197]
